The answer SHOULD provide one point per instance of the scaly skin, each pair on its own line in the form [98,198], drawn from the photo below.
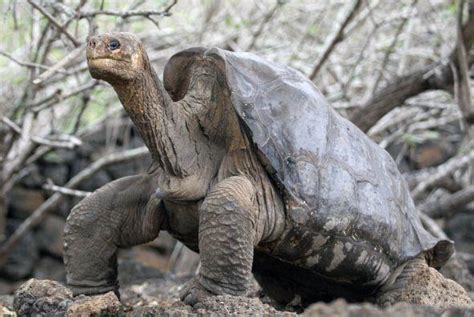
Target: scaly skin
[227,237]
[417,283]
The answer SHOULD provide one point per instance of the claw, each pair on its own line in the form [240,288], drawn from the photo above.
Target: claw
[190,300]
[194,293]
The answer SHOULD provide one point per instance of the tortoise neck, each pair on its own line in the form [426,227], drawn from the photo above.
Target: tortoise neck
[148,105]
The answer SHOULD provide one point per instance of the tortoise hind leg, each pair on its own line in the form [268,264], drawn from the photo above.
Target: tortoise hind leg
[418,283]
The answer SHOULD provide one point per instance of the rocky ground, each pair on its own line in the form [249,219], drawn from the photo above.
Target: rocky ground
[149,292]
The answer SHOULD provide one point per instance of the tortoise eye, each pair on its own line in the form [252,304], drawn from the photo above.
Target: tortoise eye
[114,44]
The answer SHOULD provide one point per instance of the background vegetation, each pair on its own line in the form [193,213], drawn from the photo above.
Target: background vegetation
[400,70]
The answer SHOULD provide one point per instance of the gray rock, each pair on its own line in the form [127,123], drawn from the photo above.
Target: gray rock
[133,272]
[159,297]
[51,269]
[397,310]
[340,308]
[460,228]
[6,301]
[57,173]
[5,312]
[222,305]
[23,201]
[100,305]
[42,297]
[469,260]
[428,287]
[457,270]
[50,235]
[50,298]
[22,259]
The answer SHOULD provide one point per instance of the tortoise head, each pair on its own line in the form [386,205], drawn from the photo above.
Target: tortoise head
[116,57]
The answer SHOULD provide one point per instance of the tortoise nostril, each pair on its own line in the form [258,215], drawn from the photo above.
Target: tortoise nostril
[91,43]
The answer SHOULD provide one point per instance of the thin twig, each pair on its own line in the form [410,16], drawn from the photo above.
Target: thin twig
[265,20]
[26,64]
[346,85]
[84,104]
[38,215]
[53,99]
[450,205]
[65,191]
[128,14]
[74,17]
[335,38]
[55,22]
[59,65]
[391,49]
[153,21]
[72,143]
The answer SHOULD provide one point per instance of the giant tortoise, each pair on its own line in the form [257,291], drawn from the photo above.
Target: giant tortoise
[256,172]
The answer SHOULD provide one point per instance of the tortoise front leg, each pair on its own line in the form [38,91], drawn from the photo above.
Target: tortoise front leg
[120,214]
[227,236]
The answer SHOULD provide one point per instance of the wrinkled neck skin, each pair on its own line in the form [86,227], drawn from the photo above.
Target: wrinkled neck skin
[145,102]
[174,135]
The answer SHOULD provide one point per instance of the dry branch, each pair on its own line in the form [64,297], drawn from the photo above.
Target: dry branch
[391,49]
[129,13]
[450,205]
[25,64]
[264,22]
[335,37]
[59,65]
[435,76]
[56,23]
[38,215]
[392,96]
[64,190]
[71,143]
[441,172]
[461,70]
[57,96]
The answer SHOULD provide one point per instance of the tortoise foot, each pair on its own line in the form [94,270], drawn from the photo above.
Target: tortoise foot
[194,293]
[420,284]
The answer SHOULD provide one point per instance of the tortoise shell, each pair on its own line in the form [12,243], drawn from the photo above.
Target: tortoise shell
[333,178]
